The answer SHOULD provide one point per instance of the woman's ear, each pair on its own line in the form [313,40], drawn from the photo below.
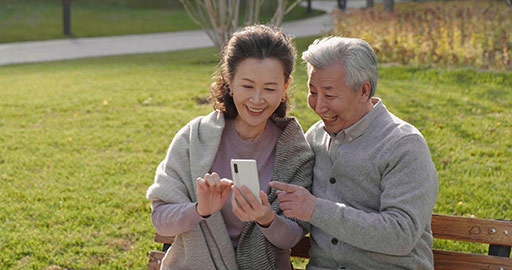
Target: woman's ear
[230,87]
[287,84]
[228,82]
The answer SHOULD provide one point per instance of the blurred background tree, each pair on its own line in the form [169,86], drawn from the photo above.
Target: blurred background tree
[219,19]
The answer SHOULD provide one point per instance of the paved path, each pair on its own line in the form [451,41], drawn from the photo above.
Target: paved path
[73,48]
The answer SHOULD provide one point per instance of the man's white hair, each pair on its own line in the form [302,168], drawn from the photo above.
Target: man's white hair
[356,57]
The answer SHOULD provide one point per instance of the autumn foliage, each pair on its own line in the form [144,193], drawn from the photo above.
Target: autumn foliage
[443,34]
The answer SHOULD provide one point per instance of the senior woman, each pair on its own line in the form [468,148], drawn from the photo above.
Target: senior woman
[192,197]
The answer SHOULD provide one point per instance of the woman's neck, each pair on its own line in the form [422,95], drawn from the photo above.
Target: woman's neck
[249,133]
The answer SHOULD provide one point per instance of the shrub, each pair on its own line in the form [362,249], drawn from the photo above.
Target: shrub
[442,34]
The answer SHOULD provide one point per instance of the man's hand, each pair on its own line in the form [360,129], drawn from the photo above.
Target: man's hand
[295,201]
[251,209]
[212,193]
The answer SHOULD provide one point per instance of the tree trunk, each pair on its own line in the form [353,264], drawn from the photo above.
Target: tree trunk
[309,10]
[342,4]
[369,3]
[66,17]
[269,7]
[388,5]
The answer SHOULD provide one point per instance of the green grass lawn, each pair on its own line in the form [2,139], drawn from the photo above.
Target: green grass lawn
[26,20]
[80,141]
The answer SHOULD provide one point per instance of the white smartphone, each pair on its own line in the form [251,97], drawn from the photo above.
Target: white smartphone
[245,173]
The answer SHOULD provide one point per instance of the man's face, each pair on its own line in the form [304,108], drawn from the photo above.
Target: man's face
[339,106]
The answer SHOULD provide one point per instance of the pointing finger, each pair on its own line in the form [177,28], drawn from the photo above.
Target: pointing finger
[283,186]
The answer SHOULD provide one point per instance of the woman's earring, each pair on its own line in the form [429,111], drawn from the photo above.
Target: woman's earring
[283,99]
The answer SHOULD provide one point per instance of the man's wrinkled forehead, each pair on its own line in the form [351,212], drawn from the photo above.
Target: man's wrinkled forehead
[310,68]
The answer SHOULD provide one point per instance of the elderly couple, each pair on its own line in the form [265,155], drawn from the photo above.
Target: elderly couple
[361,180]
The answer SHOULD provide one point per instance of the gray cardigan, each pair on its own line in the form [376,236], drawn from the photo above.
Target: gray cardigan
[376,186]
[191,155]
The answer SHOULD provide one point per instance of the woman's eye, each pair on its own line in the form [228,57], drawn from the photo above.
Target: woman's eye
[270,89]
[247,86]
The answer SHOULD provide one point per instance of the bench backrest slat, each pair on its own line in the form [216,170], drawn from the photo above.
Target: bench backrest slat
[487,231]
[450,260]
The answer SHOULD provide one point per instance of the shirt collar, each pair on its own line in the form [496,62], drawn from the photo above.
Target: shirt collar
[351,133]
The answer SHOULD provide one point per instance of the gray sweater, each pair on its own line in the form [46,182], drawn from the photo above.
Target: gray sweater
[376,186]
[191,155]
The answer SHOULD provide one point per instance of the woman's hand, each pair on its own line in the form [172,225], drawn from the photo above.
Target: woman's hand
[251,209]
[212,193]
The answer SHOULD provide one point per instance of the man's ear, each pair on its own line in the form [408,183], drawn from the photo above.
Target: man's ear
[366,88]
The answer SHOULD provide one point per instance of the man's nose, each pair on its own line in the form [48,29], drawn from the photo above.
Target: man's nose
[320,105]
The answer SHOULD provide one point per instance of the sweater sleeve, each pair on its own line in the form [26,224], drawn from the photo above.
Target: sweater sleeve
[409,190]
[173,219]
[283,233]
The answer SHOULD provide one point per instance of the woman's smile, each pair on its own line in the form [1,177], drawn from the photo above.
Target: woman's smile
[255,110]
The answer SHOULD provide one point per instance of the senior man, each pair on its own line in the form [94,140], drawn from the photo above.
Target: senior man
[375,184]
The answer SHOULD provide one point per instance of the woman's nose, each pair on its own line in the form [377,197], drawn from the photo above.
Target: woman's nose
[256,97]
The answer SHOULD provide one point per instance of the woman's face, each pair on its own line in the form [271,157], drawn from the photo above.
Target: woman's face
[257,87]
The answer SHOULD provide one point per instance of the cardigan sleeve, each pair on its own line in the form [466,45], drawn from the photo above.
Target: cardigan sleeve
[173,219]
[409,191]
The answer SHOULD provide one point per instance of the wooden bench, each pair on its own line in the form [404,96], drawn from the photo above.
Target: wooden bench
[497,234]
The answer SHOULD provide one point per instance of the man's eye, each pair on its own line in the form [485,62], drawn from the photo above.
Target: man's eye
[247,86]
[312,93]
[270,89]
[330,97]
